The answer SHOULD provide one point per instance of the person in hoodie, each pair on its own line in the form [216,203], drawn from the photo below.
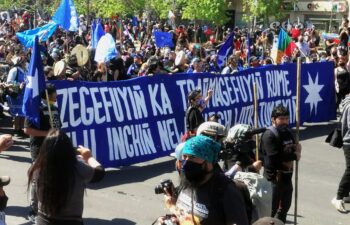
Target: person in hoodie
[344,184]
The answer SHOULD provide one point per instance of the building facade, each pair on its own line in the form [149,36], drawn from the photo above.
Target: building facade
[324,14]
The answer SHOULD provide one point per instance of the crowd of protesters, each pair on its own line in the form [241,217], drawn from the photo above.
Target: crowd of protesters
[195,51]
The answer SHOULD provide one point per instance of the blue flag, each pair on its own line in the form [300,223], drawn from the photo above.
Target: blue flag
[66,16]
[97,33]
[163,39]
[27,37]
[135,21]
[35,85]
[105,50]
[225,50]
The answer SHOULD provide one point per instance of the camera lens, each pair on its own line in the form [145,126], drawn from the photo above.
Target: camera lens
[158,189]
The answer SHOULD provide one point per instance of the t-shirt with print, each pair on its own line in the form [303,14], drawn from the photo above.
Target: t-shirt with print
[274,151]
[228,208]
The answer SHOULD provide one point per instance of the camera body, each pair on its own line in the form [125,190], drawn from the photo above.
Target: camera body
[231,149]
[164,184]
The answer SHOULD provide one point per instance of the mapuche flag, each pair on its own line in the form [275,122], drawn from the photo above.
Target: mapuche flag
[285,45]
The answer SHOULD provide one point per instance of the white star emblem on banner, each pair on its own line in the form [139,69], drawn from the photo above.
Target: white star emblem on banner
[33,83]
[313,89]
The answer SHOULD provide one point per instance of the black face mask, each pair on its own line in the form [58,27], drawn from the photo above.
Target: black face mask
[193,172]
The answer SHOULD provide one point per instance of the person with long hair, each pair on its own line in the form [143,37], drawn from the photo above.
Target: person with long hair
[61,172]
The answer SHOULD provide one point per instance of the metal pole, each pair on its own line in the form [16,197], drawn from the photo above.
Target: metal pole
[330,22]
[256,121]
[49,108]
[35,14]
[88,13]
[297,111]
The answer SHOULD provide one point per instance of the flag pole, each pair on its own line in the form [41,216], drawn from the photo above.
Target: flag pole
[256,121]
[297,111]
[49,107]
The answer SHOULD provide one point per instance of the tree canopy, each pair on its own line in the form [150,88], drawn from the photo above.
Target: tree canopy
[263,9]
[209,10]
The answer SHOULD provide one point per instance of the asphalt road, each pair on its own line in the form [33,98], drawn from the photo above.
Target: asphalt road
[126,195]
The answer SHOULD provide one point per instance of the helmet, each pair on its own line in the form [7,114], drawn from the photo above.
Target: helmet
[212,129]
[237,132]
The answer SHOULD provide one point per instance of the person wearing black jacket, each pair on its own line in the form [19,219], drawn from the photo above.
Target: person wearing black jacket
[196,105]
[279,150]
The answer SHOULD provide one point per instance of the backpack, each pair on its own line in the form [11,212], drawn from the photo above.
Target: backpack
[218,188]
[259,193]
[221,183]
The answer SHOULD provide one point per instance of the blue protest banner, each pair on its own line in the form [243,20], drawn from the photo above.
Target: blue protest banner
[132,121]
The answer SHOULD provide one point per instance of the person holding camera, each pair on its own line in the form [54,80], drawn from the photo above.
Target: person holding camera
[279,150]
[206,195]
[239,149]
[61,177]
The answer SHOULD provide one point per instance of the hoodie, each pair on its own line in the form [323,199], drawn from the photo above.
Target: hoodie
[345,120]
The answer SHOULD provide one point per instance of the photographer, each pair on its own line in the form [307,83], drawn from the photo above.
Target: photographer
[239,154]
[204,185]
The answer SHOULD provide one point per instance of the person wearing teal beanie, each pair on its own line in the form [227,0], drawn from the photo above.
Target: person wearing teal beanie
[206,195]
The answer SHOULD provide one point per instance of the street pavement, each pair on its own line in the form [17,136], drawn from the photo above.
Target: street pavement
[126,195]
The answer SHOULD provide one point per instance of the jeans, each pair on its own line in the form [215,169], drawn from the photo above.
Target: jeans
[282,193]
[344,185]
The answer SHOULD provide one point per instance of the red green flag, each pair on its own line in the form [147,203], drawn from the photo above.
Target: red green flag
[285,45]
